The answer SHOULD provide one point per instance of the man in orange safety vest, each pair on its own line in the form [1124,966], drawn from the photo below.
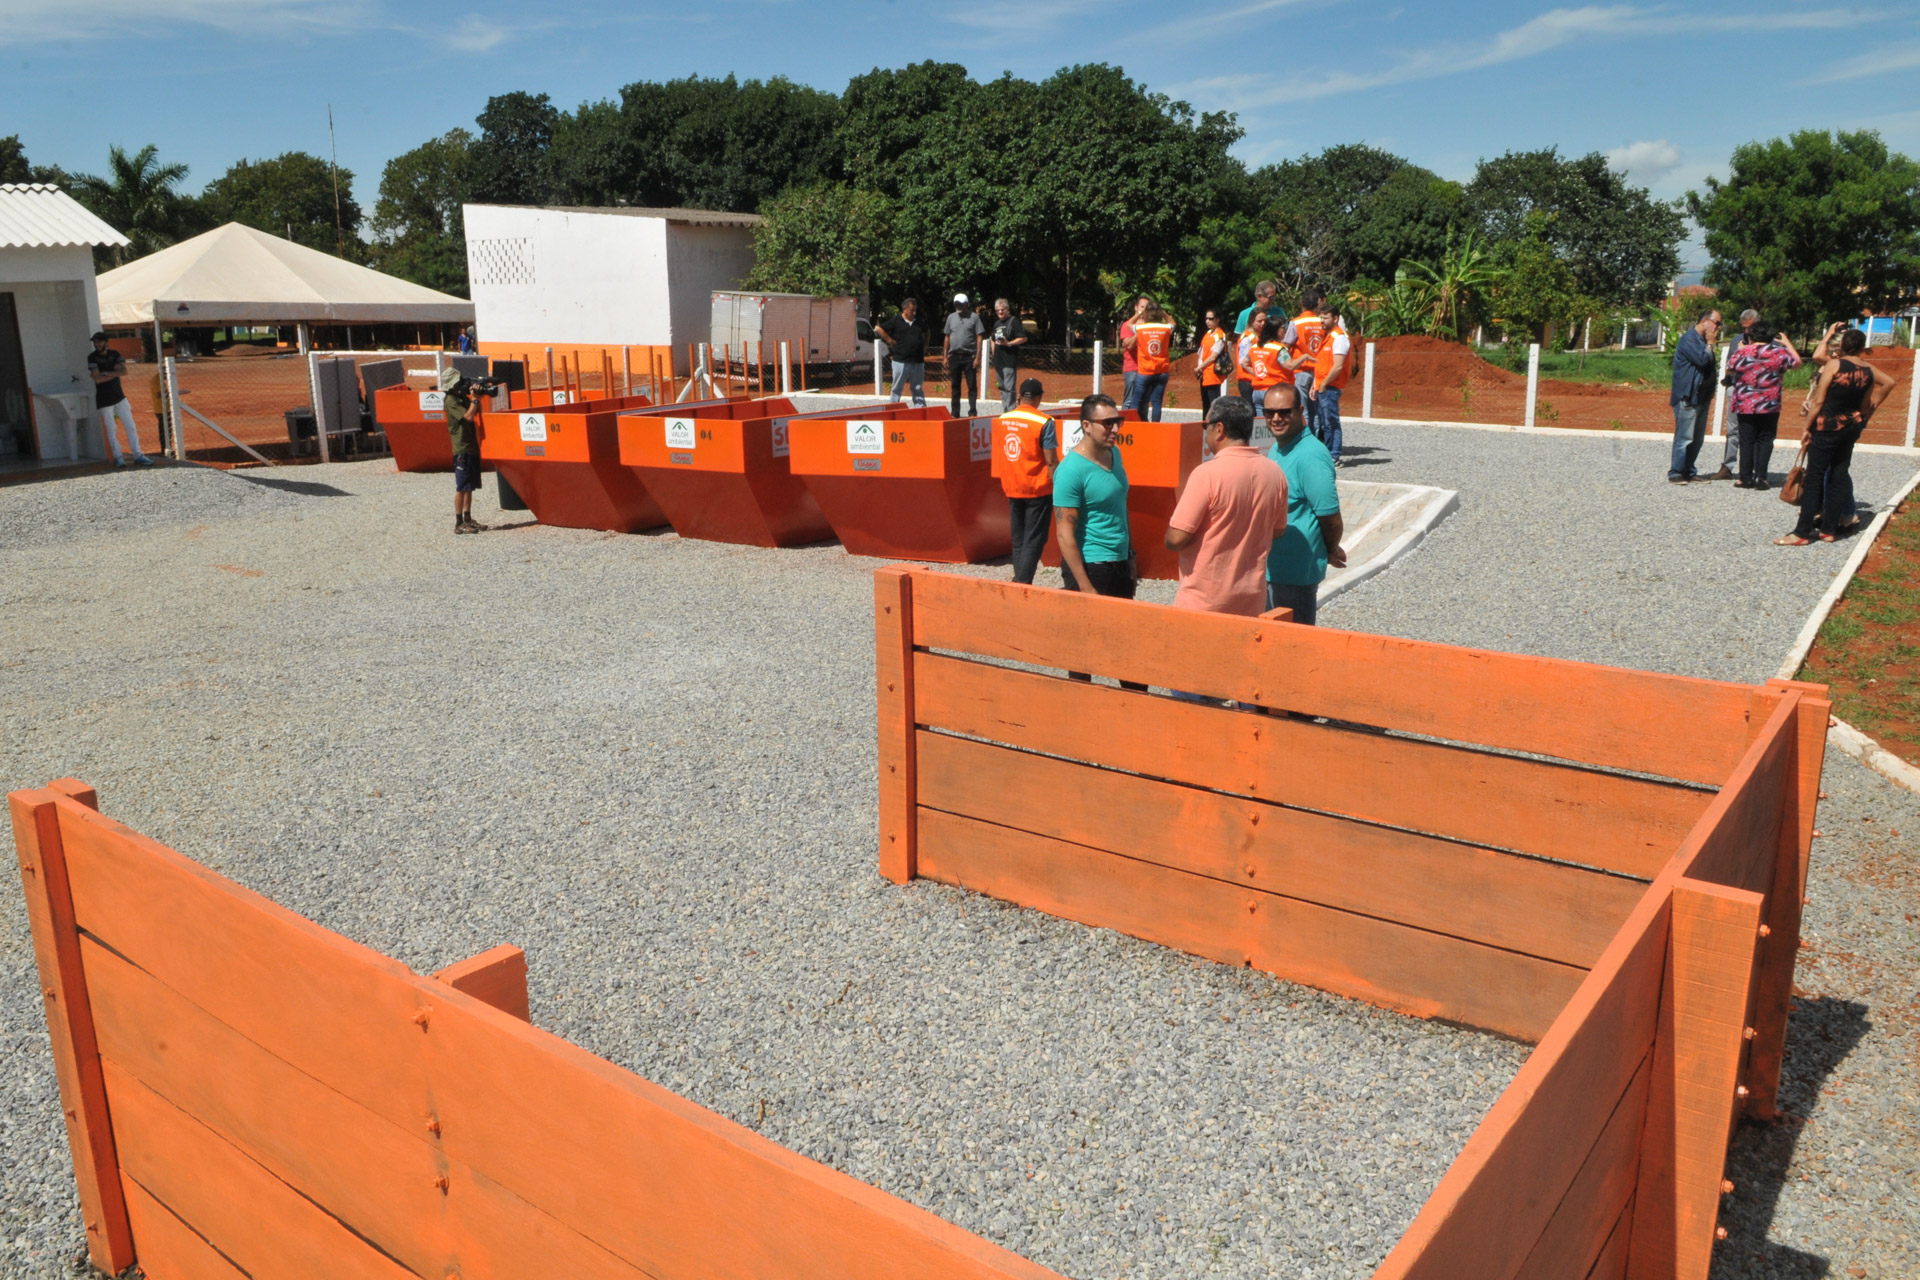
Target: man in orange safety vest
[1026,448]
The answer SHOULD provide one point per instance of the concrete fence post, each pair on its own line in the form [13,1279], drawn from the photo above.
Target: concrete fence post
[1366,385]
[319,410]
[1533,379]
[786,370]
[626,370]
[1716,427]
[1913,399]
[876,368]
[176,420]
[1098,351]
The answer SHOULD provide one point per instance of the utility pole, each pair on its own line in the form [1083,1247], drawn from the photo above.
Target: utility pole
[333,162]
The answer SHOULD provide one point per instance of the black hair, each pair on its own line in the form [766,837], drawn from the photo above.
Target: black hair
[1095,401]
[1852,342]
[1235,414]
[1762,332]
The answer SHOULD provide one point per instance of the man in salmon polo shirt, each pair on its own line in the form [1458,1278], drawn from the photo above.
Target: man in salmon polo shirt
[1233,507]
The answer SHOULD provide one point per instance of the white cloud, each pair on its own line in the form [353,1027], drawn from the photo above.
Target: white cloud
[1877,63]
[25,22]
[476,35]
[1646,162]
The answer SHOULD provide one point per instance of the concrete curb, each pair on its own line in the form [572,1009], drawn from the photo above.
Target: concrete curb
[1797,655]
[1433,506]
[1593,433]
[1843,737]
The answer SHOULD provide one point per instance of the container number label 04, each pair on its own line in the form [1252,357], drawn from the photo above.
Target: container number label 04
[866,436]
[433,402]
[680,433]
[980,440]
[533,426]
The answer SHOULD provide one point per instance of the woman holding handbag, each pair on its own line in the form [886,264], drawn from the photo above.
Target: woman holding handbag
[1848,392]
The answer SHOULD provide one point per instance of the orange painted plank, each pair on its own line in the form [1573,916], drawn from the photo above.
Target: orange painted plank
[1578,1234]
[266,1227]
[1425,974]
[1540,908]
[894,685]
[169,1248]
[360,1168]
[1612,1262]
[46,883]
[1741,844]
[497,977]
[1691,1107]
[1575,815]
[1495,1201]
[1693,730]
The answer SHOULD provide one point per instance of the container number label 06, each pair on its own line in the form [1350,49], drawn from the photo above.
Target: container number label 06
[866,436]
[980,440]
[680,433]
[533,426]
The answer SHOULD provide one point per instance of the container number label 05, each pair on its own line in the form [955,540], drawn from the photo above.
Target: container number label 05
[433,401]
[680,433]
[533,426]
[866,436]
[980,440]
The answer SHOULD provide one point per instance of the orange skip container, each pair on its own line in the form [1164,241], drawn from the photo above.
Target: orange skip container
[1159,456]
[564,460]
[416,426]
[725,475]
[917,485]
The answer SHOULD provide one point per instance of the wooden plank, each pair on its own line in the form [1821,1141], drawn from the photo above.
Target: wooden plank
[1612,1262]
[1693,730]
[497,977]
[169,1248]
[1691,1106]
[894,685]
[1495,1201]
[46,883]
[1539,908]
[1581,1228]
[1425,974]
[361,1169]
[266,1227]
[1737,840]
[1575,815]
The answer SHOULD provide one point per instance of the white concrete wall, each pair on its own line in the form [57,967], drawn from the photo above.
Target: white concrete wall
[699,261]
[59,310]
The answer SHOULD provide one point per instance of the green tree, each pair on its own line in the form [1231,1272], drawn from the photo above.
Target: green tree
[512,163]
[419,232]
[1355,212]
[14,166]
[723,144]
[1537,295]
[1620,243]
[826,239]
[1813,228]
[290,195]
[1454,291]
[140,198]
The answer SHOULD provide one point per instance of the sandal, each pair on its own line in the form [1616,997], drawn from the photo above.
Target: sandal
[1793,540]
[1826,537]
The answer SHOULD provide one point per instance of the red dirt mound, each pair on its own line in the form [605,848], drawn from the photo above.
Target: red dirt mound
[1434,362]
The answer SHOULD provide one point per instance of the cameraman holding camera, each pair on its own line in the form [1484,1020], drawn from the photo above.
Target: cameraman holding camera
[460,398]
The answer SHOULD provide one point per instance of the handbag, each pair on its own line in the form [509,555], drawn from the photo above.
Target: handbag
[1796,481]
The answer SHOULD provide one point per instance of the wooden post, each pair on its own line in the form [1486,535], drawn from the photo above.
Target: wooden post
[1691,1103]
[626,371]
[76,1050]
[497,977]
[893,680]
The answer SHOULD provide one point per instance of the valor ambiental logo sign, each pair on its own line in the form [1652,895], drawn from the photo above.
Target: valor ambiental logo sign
[866,437]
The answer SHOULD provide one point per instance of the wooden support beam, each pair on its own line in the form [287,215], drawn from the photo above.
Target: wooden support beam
[1692,1103]
[497,977]
[76,1049]
[893,679]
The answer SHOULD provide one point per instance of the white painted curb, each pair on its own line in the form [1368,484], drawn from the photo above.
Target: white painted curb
[1817,619]
[1436,505]
[1843,737]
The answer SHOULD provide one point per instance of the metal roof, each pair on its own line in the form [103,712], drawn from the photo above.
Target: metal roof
[39,215]
[686,217]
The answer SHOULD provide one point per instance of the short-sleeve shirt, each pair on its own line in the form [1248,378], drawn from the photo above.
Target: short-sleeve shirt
[1005,331]
[461,426]
[1100,496]
[1298,556]
[105,394]
[905,339]
[964,331]
[1758,371]
[1234,504]
[1127,362]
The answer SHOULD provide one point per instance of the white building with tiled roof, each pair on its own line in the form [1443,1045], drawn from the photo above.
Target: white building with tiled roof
[48,310]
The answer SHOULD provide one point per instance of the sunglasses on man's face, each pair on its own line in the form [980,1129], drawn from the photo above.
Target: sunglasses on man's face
[1280,413]
[1102,422]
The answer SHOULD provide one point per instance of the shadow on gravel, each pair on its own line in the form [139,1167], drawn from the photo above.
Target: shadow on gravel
[1821,1032]
[305,488]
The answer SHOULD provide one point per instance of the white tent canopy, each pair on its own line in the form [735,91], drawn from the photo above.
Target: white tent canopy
[235,274]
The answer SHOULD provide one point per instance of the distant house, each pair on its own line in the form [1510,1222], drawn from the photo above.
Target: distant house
[48,310]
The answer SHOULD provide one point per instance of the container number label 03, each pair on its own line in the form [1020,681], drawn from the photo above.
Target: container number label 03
[980,440]
[866,436]
[680,433]
[433,402]
[533,426]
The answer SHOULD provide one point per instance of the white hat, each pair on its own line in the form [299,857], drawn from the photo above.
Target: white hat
[959,297]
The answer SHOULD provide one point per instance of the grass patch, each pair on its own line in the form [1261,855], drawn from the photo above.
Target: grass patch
[1867,652]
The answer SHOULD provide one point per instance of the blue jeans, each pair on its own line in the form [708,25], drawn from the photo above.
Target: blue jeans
[913,372]
[1309,411]
[1303,598]
[1327,409]
[1148,389]
[1689,431]
[1129,389]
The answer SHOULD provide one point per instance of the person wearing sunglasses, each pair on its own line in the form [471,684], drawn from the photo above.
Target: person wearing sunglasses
[1090,507]
[1298,559]
[1208,362]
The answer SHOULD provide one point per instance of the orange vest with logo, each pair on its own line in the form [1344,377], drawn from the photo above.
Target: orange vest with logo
[1264,367]
[1209,348]
[1307,332]
[1017,460]
[1330,370]
[1153,348]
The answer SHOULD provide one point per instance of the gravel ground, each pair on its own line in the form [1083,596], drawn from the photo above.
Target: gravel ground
[417,740]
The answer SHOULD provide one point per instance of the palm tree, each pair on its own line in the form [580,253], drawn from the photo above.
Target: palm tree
[137,198]
[1452,290]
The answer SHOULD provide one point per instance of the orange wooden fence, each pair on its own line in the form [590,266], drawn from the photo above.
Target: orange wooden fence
[1607,863]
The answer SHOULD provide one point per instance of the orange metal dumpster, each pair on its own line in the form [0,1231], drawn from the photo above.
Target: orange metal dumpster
[416,426]
[1159,456]
[564,460]
[914,486]
[729,479]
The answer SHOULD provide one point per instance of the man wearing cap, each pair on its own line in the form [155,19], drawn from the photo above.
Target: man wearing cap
[458,399]
[1026,450]
[964,332]
[107,367]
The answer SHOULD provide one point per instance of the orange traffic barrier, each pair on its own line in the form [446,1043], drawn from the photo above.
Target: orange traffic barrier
[1159,456]
[1593,899]
[916,484]
[727,478]
[564,460]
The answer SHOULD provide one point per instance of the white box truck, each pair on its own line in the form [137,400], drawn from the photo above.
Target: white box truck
[816,330]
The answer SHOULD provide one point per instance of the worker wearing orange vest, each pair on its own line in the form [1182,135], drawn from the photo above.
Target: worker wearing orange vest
[1026,448]
[1266,359]
[1242,345]
[1212,341]
[1153,361]
[1332,365]
[1303,336]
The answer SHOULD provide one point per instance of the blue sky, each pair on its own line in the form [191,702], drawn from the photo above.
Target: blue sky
[1666,89]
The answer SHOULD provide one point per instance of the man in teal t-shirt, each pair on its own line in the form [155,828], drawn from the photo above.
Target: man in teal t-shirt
[1090,507]
[1298,561]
